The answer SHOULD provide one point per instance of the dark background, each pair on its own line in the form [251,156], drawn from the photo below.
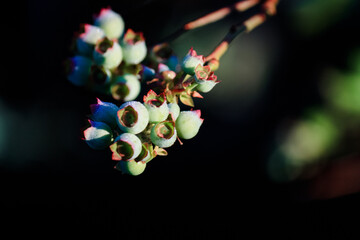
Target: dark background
[215,185]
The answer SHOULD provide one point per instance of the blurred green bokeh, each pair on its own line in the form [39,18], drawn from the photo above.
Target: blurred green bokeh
[343,91]
[304,144]
[315,16]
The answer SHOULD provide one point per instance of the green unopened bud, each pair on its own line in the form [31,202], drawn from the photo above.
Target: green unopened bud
[188,124]
[98,135]
[126,87]
[126,147]
[191,61]
[78,70]
[107,53]
[104,112]
[174,110]
[131,167]
[146,153]
[87,39]
[156,106]
[110,22]
[132,117]
[205,78]
[163,134]
[134,47]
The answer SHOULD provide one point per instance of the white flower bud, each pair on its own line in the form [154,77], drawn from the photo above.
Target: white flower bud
[131,167]
[191,61]
[156,106]
[86,41]
[132,117]
[110,22]
[126,147]
[174,109]
[98,135]
[107,53]
[126,87]
[163,134]
[188,124]
[134,47]
[104,112]
[79,69]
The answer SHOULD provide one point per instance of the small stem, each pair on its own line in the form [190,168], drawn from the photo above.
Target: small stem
[214,16]
[248,25]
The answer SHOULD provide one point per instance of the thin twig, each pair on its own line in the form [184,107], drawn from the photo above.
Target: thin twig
[214,16]
[268,9]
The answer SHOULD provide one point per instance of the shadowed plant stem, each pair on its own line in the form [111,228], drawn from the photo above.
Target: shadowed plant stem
[240,6]
[248,25]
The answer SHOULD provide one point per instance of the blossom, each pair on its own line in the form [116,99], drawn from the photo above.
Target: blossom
[126,147]
[188,124]
[110,22]
[132,117]
[191,61]
[104,112]
[88,38]
[205,78]
[126,87]
[131,167]
[174,110]
[98,135]
[78,70]
[156,106]
[107,53]
[163,134]
[133,46]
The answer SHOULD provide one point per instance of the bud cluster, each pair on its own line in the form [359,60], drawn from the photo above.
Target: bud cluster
[136,132]
[107,60]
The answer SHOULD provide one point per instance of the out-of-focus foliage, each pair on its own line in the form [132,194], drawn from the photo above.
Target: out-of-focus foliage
[342,91]
[314,16]
[314,139]
[303,145]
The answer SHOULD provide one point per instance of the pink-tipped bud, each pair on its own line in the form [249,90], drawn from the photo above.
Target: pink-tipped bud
[188,124]
[156,106]
[191,61]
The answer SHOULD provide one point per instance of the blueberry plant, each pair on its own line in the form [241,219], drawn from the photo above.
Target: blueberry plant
[110,61]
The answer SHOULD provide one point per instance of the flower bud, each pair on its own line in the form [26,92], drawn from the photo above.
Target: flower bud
[78,70]
[162,68]
[110,22]
[188,124]
[147,73]
[191,61]
[88,38]
[126,147]
[173,63]
[163,134]
[168,75]
[107,53]
[174,110]
[98,135]
[156,106]
[126,87]
[100,75]
[104,112]
[205,79]
[131,167]
[133,46]
[132,117]
[145,154]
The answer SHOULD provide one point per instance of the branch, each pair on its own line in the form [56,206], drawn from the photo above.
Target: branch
[217,15]
[268,9]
